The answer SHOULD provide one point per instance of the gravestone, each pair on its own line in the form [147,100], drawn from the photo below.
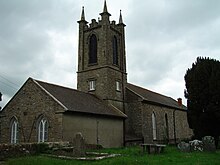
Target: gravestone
[209,144]
[184,147]
[196,145]
[79,145]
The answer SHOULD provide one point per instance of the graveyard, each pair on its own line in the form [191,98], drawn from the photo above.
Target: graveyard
[129,155]
[78,152]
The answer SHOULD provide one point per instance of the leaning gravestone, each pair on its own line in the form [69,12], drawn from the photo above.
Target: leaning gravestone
[209,144]
[184,147]
[79,145]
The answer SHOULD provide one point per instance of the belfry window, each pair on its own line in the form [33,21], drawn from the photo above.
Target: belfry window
[14,131]
[43,130]
[92,49]
[115,50]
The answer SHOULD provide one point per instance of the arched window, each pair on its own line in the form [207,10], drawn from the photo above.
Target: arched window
[92,49]
[115,50]
[43,130]
[166,127]
[154,127]
[14,131]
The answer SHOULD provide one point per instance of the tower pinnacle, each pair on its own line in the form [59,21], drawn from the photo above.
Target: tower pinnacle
[83,14]
[105,10]
[120,18]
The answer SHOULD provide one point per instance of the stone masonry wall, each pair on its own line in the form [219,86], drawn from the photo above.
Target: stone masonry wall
[133,124]
[181,128]
[139,121]
[27,106]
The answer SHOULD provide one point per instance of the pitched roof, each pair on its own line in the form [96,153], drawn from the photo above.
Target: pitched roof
[77,101]
[153,97]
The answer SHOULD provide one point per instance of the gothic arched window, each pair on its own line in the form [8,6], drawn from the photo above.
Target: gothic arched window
[115,50]
[166,127]
[42,130]
[154,127]
[14,131]
[92,49]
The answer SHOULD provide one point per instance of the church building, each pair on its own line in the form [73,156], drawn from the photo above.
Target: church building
[105,108]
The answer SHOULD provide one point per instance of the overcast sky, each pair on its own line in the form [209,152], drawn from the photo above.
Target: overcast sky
[39,39]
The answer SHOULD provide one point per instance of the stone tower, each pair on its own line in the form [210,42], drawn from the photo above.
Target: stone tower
[101,58]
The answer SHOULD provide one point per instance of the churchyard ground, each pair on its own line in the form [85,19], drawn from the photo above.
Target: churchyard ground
[130,156]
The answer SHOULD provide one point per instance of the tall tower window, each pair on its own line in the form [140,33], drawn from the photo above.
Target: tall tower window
[115,50]
[92,49]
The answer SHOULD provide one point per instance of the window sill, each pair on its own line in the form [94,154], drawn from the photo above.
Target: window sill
[92,64]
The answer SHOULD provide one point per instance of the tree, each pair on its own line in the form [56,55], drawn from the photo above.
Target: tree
[203,97]
[0,99]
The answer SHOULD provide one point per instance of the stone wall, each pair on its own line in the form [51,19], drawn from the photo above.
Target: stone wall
[27,106]
[139,121]
[165,129]
[182,128]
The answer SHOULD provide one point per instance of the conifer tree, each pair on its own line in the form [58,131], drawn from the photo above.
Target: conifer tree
[203,97]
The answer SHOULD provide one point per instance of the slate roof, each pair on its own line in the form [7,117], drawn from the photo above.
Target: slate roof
[77,101]
[154,98]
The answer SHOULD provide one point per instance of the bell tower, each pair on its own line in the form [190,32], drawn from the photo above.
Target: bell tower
[101,58]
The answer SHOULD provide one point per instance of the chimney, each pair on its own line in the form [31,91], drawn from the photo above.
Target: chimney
[179,100]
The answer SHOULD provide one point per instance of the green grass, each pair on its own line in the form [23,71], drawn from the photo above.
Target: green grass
[131,156]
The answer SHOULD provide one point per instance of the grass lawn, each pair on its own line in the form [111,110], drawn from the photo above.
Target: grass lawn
[130,156]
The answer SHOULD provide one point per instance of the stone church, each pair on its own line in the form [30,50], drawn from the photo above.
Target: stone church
[105,108]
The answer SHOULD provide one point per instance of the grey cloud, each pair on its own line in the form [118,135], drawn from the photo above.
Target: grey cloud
[163,38]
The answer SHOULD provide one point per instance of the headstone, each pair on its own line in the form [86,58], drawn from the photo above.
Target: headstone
[184,147]
[196,145]
[79,145]
[209,144]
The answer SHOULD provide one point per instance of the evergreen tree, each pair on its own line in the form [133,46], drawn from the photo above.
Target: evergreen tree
[203,97]
[0,100]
